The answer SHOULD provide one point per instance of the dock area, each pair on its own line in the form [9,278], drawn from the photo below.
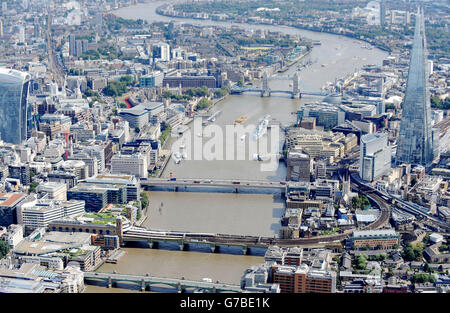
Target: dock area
[116,256]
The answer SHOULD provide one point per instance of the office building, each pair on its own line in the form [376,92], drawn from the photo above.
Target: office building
[21,172]
[114,193]
[382,238]
[151,80]
[95,198]
[303,279]
[9,203]
[135,164]
[326,116]
[14,111]
[14,235]
[299,166]
[91,162]
[284,256]
[375,156]
[415,141]
[130,182]
[189,81]
[255,280]
[34,278]
[39,213]
[77,167]
[53,190]
[137,117]
[70,179]
[161,51]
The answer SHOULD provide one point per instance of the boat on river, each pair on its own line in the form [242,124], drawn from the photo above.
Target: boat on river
[242,119]
[261,129]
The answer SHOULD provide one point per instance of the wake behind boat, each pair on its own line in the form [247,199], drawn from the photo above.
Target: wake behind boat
[261,129]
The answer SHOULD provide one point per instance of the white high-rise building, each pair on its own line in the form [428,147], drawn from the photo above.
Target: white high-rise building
[133,164]
[430,67]
[54,190]
[39,213]
[161,51]
[375,156]
[21,34]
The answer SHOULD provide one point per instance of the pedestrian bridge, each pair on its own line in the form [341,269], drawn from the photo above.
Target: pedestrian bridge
[145,283]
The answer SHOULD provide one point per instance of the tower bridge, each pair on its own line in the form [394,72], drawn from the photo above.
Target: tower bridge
[266,91]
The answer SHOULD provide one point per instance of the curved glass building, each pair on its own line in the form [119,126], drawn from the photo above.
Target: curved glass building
[14,115]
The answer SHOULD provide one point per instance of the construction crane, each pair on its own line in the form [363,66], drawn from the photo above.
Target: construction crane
[67,134]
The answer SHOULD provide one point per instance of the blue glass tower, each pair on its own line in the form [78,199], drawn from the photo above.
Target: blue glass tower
[14,114]
[415,142]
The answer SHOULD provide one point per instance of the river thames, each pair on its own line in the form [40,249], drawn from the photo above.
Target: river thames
[246,214]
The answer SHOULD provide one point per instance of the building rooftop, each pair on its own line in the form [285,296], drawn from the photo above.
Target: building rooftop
[374,233]
[10,199]
[67,238]
[26,247]
[13,75]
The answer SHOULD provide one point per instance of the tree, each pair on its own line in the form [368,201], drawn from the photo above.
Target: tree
[361,262]
[4,249]
[144,200]
[203,104]
[33,186]
[427,268]
[408,254]
[166,129]
[422,278]
[413,253]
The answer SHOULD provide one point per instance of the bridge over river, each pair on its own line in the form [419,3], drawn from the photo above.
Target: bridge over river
[231,185]
[266,91]
[145,283]
[248,244]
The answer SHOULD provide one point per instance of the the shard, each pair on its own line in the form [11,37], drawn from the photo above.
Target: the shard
[415,145]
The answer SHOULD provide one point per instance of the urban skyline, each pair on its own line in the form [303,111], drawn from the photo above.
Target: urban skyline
[253,147]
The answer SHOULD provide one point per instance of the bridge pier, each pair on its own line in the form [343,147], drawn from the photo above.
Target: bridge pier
[214,248]
[296,95]
[176,189]
[153,244]
[142,285]
[183,246]
[109,282]
[180,288]
[236,190]
[245,250]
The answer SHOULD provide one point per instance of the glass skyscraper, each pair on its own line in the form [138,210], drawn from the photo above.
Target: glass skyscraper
[415,142]
[375,156]
[14,114]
